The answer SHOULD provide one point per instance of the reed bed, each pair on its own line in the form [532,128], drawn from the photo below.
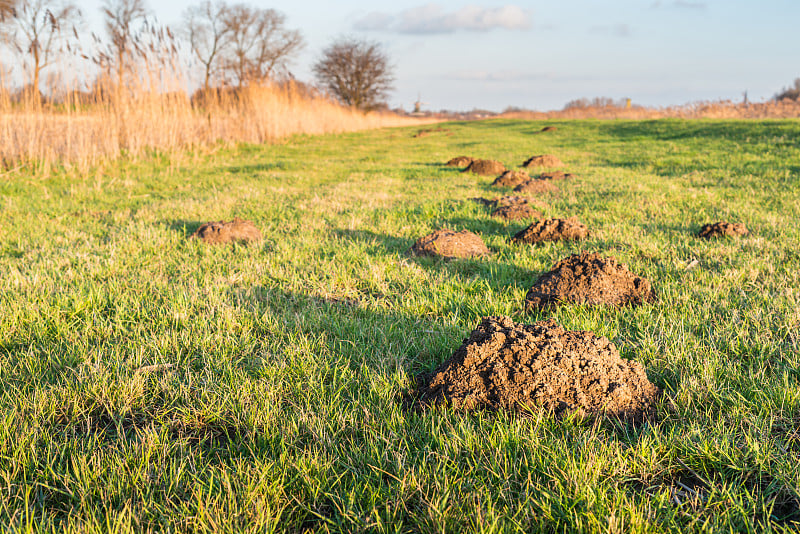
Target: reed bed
[80,133]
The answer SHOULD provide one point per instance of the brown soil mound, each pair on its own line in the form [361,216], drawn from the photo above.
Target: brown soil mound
[535,185]
[460,161]
[485,167]
[722,229]
[556,175]
[236,230]
[450,244]
[549,129]
[502,201]
[428,131]
[512,366]
[511,179]
[589,279]
[552,230]
[545,160]
[515,212]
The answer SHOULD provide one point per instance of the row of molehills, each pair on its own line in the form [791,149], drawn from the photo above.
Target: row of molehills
[512,366]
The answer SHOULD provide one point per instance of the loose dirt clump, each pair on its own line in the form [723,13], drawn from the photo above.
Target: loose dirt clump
[589,279]
[460,161]
[535,185]
[512,366]
[511,179]
[237,230]
[515,212]
[502,201]
[552,230]
[450,244]
[485,167]
[722,229]
[555,175]
[428,131]
[545,160]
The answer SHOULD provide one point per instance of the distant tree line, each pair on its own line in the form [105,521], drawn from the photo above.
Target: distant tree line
[791,92]
[231,45]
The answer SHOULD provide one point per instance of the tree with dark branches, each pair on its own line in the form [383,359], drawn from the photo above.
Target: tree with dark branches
[122,18]
[204,26]
[356,72]
[41,30]
[260,44]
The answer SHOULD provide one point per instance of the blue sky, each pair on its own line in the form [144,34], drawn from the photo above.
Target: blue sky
[541,54]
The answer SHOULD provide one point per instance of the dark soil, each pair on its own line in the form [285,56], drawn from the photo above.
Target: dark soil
[512,366]
[428,131]
[502,201]
[556,175]
[511,179]
[485,167]
[460,161]
[589,279]
[545,160]
[552,230]
[237,230]
[450,244]
[515,212]
[535,185]
[722,229]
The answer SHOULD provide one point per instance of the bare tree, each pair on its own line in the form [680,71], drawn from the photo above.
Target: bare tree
[260,43]
[122,18]
[356,72]
[42,30]
[208,34]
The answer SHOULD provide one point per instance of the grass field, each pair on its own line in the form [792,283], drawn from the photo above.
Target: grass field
[274,403]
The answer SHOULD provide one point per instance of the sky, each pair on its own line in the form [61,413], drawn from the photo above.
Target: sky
[462,55]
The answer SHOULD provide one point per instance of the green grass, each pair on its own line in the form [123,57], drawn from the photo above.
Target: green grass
[280,410]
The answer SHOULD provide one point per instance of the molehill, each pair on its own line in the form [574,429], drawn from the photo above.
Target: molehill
[485,167]
[591,279]
[450,244]
[512,366]
[722,229]
[552,230]
[237,230]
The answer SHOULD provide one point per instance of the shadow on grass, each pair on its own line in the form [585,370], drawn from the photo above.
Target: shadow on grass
[498,275]
[184,227]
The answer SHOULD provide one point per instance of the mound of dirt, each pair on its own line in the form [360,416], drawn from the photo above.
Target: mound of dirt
[722,229]
[502,201]
[589,279]
[555,175]
[512,366]
[237,230]
[535,185]
[552,230]
[545,160]
[515,212]
[428,131]
[485,167]
[450,244]
[549,129]
[460,161]
[511,179]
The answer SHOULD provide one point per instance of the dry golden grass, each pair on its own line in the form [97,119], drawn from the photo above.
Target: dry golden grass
[39,136]
[784,109]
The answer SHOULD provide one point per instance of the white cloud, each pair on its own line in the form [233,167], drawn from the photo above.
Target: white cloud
[431,18]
